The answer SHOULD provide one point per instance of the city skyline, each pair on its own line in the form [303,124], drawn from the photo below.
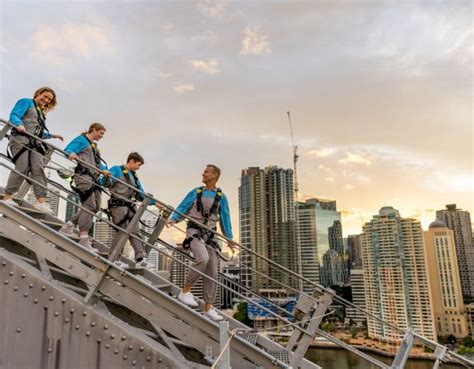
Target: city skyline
[382,115]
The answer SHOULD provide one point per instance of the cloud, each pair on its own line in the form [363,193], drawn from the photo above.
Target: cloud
[209,67]
[348,187]
[184,87]
[323,168]
[329,179]
[354,159]
[60,45]
[323,153]
[446,181]
[212,8]
[254,42]
[68,84]
[168,27]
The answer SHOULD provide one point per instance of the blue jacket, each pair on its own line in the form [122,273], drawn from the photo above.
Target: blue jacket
[19,111]
[224,212]
[117,173]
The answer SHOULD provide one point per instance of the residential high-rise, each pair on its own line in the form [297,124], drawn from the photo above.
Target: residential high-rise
[446,296]
[267,226]
[358,296]
[396,276]
[71,206]
[232,280]
[470,318]
[103,232]
[459,221]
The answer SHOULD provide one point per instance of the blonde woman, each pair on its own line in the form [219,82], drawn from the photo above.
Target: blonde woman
[29,115]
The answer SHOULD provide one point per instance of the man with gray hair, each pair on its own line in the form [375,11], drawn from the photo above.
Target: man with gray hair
[205,205]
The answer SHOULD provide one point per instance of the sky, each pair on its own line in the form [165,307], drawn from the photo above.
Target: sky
[380,92]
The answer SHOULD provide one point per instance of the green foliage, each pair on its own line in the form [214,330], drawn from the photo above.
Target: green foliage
[241,313]
[353,330]
[468,342]
[451,339]
[328,327]
[463,350]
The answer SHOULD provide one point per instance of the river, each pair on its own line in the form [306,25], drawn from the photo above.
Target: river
[328,358]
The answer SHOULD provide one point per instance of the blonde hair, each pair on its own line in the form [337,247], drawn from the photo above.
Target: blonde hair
[96,127]
[53,101]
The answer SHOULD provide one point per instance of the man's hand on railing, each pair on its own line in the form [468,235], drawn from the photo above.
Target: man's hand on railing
[20,128]
[72,156]
[105,173]
[170,223]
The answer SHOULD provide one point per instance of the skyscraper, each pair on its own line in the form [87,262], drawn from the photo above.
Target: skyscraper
[71,206]
[103,233]
[444,280]
[358,296]
[267,226]
[396,276]
[459,221]
[309,245]
[355,251]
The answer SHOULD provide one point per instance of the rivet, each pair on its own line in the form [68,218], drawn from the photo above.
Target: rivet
[56,313]
[134,362]
[112,336]
[50,350]
[99,340]
[71,311]
[125,357]
[84,313]
[6,281]
[115,351]
[142,348]
[93,324]
[107,346]
[35,301]
[25,294]
[63,301]
[106,327]
[31,285]
[18,330]
[88,333]
[130,347]
[46,307]
[51,298]
[148,358]
[15,288]
[43,288]
[124,338]
[160,359]
[23,275]
[4,263]
[66,320]
[11,273]
[77,326]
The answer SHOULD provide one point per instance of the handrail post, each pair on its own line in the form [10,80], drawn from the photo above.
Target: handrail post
[160,225]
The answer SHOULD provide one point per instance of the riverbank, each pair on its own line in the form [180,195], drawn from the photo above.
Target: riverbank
[414,355]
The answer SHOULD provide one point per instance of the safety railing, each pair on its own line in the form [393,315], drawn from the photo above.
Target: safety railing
[251,296]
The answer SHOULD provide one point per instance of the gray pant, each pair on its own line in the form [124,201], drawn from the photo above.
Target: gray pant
[82,218]
[118,213]
[206,262]
[22,165]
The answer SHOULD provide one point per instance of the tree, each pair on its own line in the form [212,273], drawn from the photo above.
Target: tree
[451,339]
[328,327]
[353,330]
[468,341]
[241,313]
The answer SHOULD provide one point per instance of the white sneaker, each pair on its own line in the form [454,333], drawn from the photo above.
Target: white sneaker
[84,241]
[144,263]
[121,265]
[43,207]
[187,299]
[212,314]
[10,202]
[67,228]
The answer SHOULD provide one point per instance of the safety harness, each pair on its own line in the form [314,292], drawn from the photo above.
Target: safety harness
[81,170]
[32,144]
[204,235]
[116,202]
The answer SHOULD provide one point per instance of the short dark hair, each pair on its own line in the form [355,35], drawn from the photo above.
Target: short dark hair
[216,169]
[135,156]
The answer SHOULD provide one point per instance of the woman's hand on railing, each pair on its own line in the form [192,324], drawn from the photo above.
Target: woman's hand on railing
[20,128]
[59,137]
[170,223]
[72,156]
[106,173]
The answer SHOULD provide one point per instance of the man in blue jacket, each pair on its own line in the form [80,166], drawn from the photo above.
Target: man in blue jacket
[206,205]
